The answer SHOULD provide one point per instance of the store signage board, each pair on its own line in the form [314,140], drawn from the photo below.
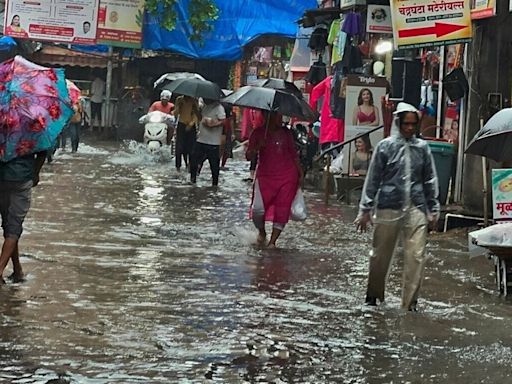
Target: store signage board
[379,19]
[346,4]
[63,21]
[120,23]
[422,23]
[502,194]
[482,9]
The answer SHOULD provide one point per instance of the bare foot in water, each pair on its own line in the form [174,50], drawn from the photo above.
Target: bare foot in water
[262,237]
[271,246]
[17,278]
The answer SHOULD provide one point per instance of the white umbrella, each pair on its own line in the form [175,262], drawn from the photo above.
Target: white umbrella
[170,77]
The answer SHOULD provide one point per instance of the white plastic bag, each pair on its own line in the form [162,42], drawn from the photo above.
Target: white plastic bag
[337,164]
[299,212]
[258,208]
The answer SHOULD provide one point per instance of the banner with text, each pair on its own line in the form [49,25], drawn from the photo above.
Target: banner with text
[502,194]
[482,9]
[120,23]
[425,22]
[65,21]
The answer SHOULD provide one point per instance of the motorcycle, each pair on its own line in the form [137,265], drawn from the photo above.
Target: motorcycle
[157,126]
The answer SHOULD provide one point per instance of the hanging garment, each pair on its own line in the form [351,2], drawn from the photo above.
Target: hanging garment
[351,58]
[331,128]
[353,24]
[317,73]
[338,94]
[337,38]
[318,39]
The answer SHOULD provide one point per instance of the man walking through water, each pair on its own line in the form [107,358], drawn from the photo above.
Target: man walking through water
[17,177]
[400,196]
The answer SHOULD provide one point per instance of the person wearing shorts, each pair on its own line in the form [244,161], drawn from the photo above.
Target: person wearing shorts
[17,177]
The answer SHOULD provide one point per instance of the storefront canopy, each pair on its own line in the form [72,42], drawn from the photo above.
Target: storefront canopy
[239,23]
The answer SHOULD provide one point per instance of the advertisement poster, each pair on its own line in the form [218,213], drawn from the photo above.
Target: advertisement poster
[120,23]
[379,19]
[363,112]
[425,22]
[482,9]
[502,194]
[64,21]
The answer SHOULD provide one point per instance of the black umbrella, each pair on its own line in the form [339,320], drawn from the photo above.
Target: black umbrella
[273,100]
[494,140]
[278,84]
[195,88]
[173,76]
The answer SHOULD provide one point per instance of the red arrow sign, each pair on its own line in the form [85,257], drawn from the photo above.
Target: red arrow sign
[439,29]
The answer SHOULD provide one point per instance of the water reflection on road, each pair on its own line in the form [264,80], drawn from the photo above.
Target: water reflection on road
[134,276]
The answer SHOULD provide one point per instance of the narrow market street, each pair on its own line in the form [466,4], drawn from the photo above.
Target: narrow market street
[134,276]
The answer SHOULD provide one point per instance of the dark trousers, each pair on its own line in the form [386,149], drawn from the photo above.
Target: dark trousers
[74,134]
[199,155]
[185,140]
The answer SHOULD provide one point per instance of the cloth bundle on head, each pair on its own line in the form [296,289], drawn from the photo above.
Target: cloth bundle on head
[165,95]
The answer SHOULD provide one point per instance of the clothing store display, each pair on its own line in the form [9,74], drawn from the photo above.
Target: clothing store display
[318,39]
[337,38]
[277,71]
[338,93]
[331,128]
[317,72]
[353,24]
[364,118]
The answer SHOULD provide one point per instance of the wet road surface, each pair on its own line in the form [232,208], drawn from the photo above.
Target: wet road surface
[134,276]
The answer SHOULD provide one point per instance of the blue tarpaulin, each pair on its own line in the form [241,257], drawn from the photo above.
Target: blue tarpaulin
[7,43]
[239,23]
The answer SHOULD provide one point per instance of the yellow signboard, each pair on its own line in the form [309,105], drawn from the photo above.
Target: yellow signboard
[120,22]
[420,23]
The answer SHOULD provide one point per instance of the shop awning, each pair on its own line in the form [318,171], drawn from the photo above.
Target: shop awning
[312,17]
[239,23]
[54,55]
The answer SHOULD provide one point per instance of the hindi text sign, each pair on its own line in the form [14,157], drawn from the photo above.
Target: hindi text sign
[65,21]
[120,23]
[420,23]
[502,194]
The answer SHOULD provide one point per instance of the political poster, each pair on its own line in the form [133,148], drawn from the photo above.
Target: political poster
[429,22]
[64,21]
[363,112]
[502,194]
[120,23]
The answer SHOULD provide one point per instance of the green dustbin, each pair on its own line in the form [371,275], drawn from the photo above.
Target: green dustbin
[444,154]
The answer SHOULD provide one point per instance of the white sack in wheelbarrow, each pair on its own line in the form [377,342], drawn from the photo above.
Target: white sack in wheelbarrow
[498,235]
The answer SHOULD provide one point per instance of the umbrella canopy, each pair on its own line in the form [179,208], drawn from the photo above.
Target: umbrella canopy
[273,100]
[195,88]
[170,77]
[34,107]
[74,91]
[279,84]
[494,140]
[7,43]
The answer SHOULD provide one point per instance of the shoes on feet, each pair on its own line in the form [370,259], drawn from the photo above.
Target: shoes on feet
[371,301]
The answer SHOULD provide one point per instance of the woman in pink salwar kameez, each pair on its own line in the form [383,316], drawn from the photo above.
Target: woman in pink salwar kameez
[278,177]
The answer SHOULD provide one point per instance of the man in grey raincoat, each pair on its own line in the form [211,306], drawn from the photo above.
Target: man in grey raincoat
[400,196]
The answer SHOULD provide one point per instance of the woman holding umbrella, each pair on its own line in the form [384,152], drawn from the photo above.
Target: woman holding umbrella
[278,176]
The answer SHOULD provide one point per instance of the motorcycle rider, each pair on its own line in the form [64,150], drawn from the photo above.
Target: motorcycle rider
[164,106]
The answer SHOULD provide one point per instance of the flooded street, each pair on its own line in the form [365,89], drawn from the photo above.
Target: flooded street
[134,276]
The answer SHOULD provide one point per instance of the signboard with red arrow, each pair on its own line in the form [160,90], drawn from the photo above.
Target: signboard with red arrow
[420,23]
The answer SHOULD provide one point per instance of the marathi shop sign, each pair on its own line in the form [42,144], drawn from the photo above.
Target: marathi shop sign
[420,23]
[120,23]
[482,9]
[65,21]
[502,194]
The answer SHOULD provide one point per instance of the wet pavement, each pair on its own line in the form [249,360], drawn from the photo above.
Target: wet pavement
[134,276]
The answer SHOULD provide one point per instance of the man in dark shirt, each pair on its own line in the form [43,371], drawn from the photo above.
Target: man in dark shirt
[17,177]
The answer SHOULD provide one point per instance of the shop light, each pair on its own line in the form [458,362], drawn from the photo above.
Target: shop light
[383,46]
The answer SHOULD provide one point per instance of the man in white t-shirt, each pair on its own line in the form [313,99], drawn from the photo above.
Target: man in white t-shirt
[209,139]
[97,91]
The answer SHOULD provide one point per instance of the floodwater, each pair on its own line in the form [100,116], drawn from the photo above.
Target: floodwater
[134,276]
